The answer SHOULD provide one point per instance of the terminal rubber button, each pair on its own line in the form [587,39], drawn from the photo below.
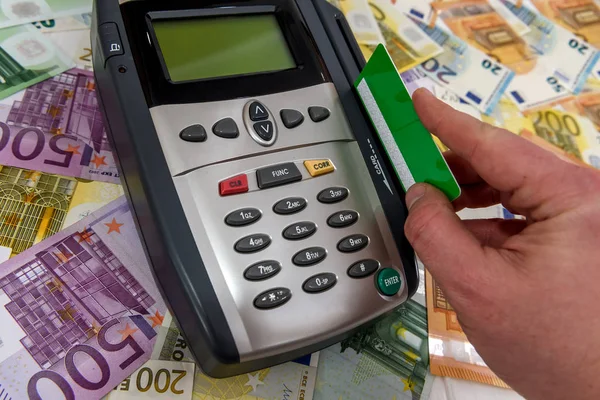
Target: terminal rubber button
[388,281]
[363,268]
[193,133]
[234,185]
[319,282]
[226,128]
[276,175]
[264,130]
[319,167]
[291,118]
[318,114]
[272,298]
[332,195]
[258,111]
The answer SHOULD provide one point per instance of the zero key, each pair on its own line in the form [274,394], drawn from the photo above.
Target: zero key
[276,175]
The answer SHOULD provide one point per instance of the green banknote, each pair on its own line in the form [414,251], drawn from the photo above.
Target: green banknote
[389,360]
[17,12]
[26,58]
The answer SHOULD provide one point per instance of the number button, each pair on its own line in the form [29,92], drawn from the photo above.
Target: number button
[290,205]
[353,243]
[243,216]
[342,219]
[319,283]
[310,256]
[262,270]
[252,243]
[332,195]
[299,230]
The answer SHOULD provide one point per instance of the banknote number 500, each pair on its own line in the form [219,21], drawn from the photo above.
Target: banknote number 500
[40,142]
[96,356]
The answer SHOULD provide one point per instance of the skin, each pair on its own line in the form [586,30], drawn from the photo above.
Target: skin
[525,292]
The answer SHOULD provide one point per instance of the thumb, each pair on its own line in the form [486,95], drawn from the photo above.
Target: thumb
[447,248]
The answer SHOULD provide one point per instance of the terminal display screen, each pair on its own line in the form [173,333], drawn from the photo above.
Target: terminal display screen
[204,48]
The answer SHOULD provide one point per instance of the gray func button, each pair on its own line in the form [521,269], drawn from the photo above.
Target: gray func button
[276,175]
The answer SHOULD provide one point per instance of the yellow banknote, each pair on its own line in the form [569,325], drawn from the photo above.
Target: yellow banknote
[567,134]
[582,17]
[405,41]
[361,21]
[450,353]
[35,205]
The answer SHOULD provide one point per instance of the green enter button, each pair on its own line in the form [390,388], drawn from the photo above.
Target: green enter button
[388,281]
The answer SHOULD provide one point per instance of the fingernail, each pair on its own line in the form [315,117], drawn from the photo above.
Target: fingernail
[424,91]
[415,192]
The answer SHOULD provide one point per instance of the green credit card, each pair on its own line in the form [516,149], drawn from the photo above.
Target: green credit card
[410,147]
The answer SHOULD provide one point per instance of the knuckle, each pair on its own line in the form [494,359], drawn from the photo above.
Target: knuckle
[420,224]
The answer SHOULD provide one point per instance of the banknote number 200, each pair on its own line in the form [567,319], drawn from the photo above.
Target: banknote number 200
[95,355]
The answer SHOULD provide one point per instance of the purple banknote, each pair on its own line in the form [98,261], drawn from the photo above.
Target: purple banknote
[56,127]
[79,311]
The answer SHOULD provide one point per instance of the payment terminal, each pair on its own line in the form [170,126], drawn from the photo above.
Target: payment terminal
[269,213]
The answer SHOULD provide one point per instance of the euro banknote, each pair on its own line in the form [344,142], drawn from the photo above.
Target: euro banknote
[68,23]
[18,12]
[75,44]
[581,17]
[27,57]
[385,361]
[451,354]
[35,205]
[406,43]
[80,311]
[570,57]
[157,380]
[418,9]
[486,29]
[292,380]
[56,126]
[361,20]
[476,78]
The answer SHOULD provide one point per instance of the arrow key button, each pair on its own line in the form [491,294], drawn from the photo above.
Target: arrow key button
[264,129]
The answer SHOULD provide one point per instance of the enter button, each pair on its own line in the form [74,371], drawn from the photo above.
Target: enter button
[319,167]
[388,281]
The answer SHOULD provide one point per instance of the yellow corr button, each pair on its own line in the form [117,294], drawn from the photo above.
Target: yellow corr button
[319,167]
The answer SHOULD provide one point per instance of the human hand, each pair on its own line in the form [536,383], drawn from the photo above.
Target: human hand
[525,292]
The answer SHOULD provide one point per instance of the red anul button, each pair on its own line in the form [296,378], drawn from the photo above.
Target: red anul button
[237,184]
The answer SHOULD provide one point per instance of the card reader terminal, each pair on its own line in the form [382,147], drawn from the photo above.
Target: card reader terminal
[271,217]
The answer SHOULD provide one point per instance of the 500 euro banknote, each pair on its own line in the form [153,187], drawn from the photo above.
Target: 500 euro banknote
[80,311]
[56,127]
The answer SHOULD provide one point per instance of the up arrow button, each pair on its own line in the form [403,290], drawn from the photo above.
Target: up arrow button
[258,112]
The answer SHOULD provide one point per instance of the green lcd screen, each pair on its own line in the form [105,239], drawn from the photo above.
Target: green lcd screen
[203,48]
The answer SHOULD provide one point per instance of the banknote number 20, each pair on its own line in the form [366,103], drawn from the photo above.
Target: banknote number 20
[95,355]
[581,48]
[433,66]
[494,68]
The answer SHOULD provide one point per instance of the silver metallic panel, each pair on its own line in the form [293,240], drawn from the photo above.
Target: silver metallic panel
[184,156]
[305,318]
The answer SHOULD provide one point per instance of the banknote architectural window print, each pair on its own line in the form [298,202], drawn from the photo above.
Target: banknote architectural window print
[65,104]
[63,296]
[34,206]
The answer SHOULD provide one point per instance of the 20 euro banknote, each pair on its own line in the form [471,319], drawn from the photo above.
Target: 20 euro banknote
[478,79]
[80,310]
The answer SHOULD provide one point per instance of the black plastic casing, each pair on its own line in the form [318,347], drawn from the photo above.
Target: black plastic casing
[166,236]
